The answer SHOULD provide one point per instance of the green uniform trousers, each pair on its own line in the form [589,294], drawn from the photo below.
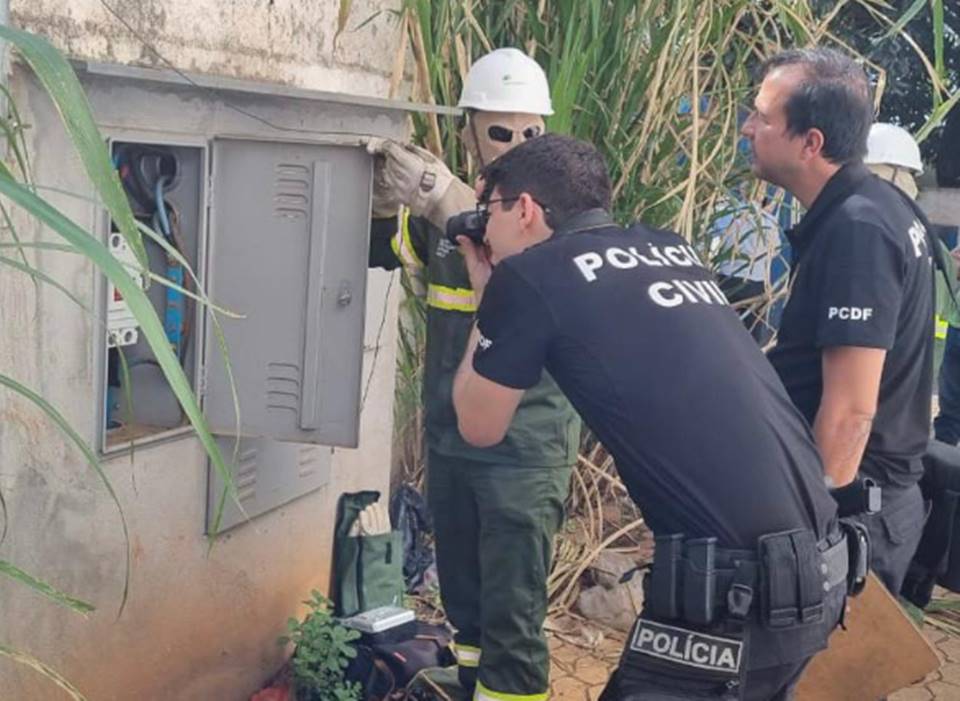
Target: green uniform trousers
[494,526]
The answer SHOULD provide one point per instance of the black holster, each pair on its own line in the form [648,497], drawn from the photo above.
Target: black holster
[862,496]
[858,559]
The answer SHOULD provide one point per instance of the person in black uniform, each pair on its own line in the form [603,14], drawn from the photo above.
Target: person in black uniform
[749,574]
[855,348]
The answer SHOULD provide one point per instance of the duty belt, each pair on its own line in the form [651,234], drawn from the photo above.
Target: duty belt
[782,582]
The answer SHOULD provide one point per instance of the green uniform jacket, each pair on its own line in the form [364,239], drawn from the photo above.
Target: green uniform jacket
[545,431]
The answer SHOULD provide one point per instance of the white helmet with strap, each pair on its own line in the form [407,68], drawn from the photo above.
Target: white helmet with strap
[889,144]
[506,80]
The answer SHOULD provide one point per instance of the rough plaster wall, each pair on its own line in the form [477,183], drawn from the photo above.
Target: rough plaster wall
[197,625]
[942,205]
[283,41]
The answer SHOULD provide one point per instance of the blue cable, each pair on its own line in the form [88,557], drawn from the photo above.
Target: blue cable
[162,208]
[173,316]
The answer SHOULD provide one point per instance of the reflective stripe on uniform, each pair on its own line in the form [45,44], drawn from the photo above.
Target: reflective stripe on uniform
[484,694]
[467,655]
[940,329]
[457,299]
[402,244]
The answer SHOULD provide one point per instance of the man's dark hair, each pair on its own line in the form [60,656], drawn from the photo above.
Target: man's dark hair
[564,175]
[834,96]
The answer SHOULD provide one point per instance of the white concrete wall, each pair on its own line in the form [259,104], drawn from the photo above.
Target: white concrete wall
[283,41]
[942,205]
[198,625]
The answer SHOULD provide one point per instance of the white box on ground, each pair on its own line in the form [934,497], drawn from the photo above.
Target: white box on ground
[379,619]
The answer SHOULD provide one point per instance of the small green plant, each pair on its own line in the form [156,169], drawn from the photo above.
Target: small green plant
[322,653]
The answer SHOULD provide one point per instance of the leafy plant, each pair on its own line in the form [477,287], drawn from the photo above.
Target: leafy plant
[323,652]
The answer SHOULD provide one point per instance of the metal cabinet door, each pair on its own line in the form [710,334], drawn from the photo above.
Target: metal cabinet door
[267,474]
[288,249]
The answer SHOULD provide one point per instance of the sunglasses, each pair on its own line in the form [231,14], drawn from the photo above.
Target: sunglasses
[505,135]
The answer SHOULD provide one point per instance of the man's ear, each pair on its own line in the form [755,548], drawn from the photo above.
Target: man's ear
[529,209]
[813,142]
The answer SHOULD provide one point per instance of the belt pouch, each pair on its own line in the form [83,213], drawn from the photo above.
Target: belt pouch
[811,575]
[699,581]
[665,576]
[779,577]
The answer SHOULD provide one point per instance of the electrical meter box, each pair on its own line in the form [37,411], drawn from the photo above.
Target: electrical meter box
[260,196]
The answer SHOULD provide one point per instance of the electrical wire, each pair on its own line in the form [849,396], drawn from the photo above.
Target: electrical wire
[376,344]
[161,208]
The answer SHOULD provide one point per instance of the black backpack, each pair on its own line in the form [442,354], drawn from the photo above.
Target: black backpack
[387,662]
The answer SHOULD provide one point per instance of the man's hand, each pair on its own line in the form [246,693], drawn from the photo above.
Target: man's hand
[477,260]
[410,175]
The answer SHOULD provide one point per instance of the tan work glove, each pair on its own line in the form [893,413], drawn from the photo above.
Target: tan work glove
[384,204]
[373,520]
[415,177]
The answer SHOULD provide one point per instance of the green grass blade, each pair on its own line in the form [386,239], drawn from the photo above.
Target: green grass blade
[21,152]
[8,222]
[171,251]
[45,670]
[164,281]
[6,517]
[937,116]
[13,572]
[903,20]
[936,7]
[42,245]
[64,89]
[91,458]
[40,276]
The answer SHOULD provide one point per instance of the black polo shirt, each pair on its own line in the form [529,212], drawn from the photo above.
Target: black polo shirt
[639,337]
[862,276]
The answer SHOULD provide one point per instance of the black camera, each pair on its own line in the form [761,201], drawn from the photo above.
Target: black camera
[472,224]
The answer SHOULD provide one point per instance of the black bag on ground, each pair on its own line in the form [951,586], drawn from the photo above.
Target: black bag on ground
[410,516]
[937,560]
[384,666]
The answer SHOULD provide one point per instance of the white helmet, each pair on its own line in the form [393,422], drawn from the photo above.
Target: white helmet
[892,145]
[506,80]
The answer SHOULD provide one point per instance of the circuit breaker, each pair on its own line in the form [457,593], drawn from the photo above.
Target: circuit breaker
[121,323]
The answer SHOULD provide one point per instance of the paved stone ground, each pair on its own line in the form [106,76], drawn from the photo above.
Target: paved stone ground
[578,673]
[944,684]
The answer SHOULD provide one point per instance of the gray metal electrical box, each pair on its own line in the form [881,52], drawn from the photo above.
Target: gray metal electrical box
[276,185]
[288,249]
